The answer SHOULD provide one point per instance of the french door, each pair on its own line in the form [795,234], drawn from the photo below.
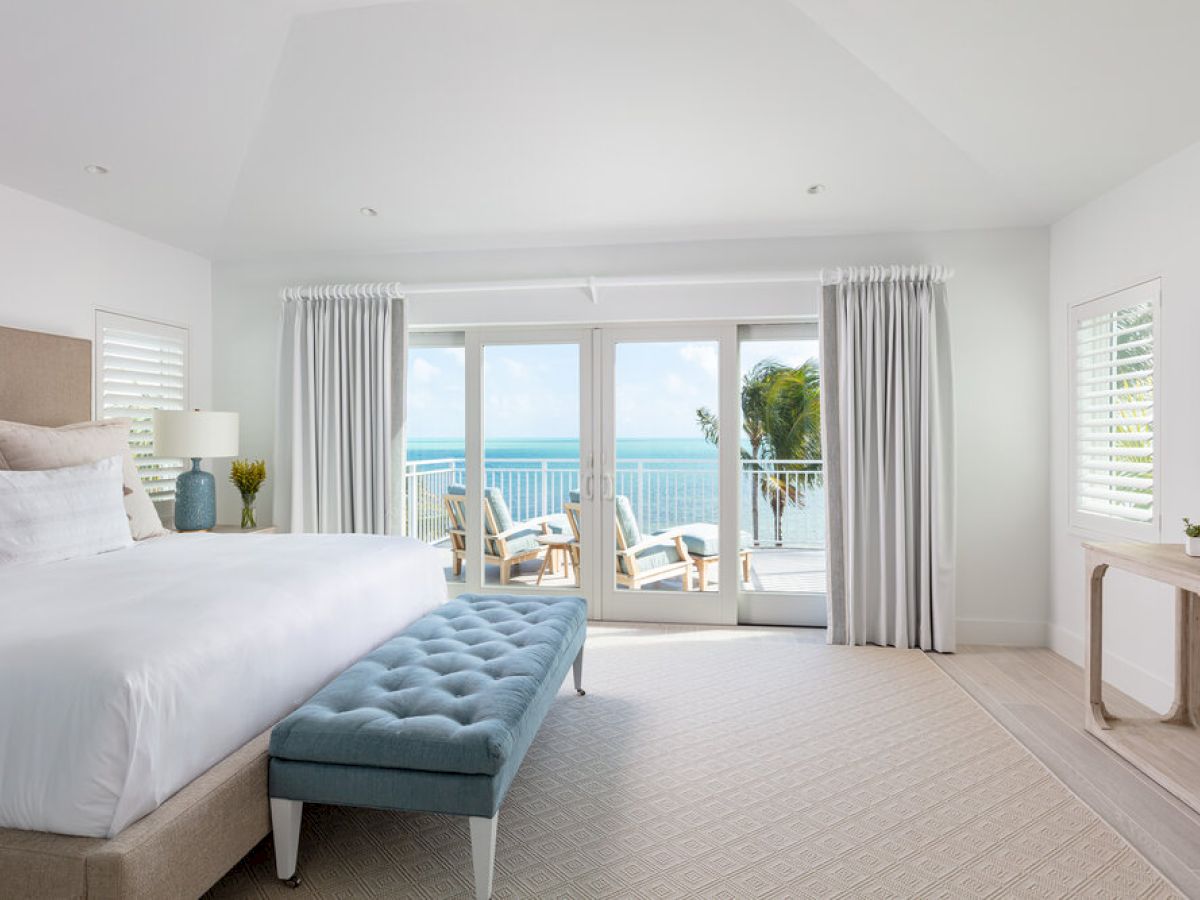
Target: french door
[668,441]
[616,463]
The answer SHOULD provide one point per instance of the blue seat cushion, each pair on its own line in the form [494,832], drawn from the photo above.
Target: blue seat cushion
[701,539]
[457,490]
[518,542]
[628,521]
[461,690]
[653,557]
[500,511]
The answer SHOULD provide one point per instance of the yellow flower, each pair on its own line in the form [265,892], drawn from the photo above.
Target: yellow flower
[248,476]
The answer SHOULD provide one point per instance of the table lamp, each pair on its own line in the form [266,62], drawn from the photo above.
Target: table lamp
[195,434]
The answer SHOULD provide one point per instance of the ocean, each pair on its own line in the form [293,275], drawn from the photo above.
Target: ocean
[541,448]
[669,482]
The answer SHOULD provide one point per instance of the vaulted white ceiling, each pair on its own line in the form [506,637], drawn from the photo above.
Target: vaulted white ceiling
[238,128]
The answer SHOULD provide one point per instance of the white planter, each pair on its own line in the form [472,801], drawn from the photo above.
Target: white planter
[1192,547]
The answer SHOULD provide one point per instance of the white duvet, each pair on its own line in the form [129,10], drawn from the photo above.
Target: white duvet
[124,676]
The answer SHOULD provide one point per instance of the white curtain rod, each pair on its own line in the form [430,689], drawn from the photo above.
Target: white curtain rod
[592,284]
[596,283]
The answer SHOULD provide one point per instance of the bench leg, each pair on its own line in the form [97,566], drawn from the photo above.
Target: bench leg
[285,829]
[483,853]
[577,668]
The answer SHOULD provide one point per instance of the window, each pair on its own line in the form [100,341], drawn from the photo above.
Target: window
[1112,460]
[142,366]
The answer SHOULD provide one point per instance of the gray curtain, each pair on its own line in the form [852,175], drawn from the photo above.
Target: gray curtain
[339,435]
[889,457]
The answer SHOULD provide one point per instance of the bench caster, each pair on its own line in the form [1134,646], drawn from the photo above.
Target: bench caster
[580,691]
[293,882]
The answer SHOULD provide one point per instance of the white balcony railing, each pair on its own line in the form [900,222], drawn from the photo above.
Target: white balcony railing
[786,497]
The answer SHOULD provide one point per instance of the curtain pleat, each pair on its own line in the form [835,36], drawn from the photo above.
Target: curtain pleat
[888,433]
[338,417]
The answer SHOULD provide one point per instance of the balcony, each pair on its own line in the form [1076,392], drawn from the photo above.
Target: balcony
[786,497]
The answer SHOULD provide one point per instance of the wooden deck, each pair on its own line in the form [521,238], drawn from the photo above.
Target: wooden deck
[783,570]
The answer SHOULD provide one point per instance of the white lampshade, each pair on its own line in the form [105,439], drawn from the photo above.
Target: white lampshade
[192,433]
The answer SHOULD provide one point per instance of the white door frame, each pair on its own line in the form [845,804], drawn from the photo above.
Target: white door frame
[647,604]
[477,339]
[778,607]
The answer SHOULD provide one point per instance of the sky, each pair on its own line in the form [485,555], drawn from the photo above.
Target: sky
[532,391]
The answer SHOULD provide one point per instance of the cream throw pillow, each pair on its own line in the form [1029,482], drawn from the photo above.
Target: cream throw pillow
[24,447]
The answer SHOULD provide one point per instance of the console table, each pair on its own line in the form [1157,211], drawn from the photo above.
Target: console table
[1168,748]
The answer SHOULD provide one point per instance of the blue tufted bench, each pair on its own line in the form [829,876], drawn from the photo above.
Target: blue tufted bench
[437,720]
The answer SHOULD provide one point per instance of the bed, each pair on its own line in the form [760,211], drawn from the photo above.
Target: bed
[137,688]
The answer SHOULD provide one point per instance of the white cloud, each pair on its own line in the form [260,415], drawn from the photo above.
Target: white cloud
[423,371]
[703,355]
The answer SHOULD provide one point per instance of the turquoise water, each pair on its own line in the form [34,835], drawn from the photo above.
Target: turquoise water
[540,448]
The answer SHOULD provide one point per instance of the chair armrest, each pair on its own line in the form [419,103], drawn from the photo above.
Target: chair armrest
[537,521]
[516,529]
[659,540]
[542,522]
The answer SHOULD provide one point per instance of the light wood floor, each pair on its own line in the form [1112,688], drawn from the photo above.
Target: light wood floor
[1038,696]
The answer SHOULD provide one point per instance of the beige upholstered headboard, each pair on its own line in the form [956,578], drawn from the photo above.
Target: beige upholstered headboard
[45,379]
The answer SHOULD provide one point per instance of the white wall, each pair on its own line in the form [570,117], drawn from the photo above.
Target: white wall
[998,325]
[58,265]
[1147,227]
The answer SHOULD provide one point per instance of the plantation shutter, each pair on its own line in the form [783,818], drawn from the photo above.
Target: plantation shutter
[142,366]
[1113,398]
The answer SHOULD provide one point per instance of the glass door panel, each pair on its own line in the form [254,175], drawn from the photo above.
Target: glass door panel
[662,499]
[435,461]
[781,489]
[531,465]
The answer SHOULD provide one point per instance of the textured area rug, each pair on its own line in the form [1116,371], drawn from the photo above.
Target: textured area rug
[743,763]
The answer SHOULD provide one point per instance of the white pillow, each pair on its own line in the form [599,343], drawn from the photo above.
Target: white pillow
[35,447]
[52,514]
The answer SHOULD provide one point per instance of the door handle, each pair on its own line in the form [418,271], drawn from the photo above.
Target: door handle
[606,486]
[590,483]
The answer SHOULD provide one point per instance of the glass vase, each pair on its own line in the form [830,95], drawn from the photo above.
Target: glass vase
[248,520]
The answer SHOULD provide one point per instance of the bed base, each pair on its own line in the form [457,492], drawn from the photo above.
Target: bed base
[180,850]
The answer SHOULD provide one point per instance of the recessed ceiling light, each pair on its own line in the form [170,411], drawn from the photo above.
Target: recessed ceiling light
[368,211]
[94,169]
[816,189]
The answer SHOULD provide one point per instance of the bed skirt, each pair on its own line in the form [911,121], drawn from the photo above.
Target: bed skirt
[179,850]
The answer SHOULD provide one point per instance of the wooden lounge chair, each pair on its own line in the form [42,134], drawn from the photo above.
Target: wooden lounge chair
[573,512]
[641,559]
[507,543]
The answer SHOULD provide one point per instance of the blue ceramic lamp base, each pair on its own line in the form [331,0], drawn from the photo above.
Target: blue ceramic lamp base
[195,499]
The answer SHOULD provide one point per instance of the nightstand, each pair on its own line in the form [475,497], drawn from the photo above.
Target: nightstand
[234,529]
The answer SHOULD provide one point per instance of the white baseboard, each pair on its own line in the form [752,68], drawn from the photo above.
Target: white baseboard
[1125,676]
[1001,632]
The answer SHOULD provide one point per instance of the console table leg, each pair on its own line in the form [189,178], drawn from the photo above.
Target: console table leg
[1179,713]
[1187,667]
[1194,659]
[1094,714]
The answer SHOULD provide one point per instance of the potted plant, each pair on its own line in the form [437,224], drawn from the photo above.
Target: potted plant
[1192,547]
[248,476]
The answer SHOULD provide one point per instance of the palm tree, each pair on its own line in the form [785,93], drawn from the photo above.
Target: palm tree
[793,424]
[781,416]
